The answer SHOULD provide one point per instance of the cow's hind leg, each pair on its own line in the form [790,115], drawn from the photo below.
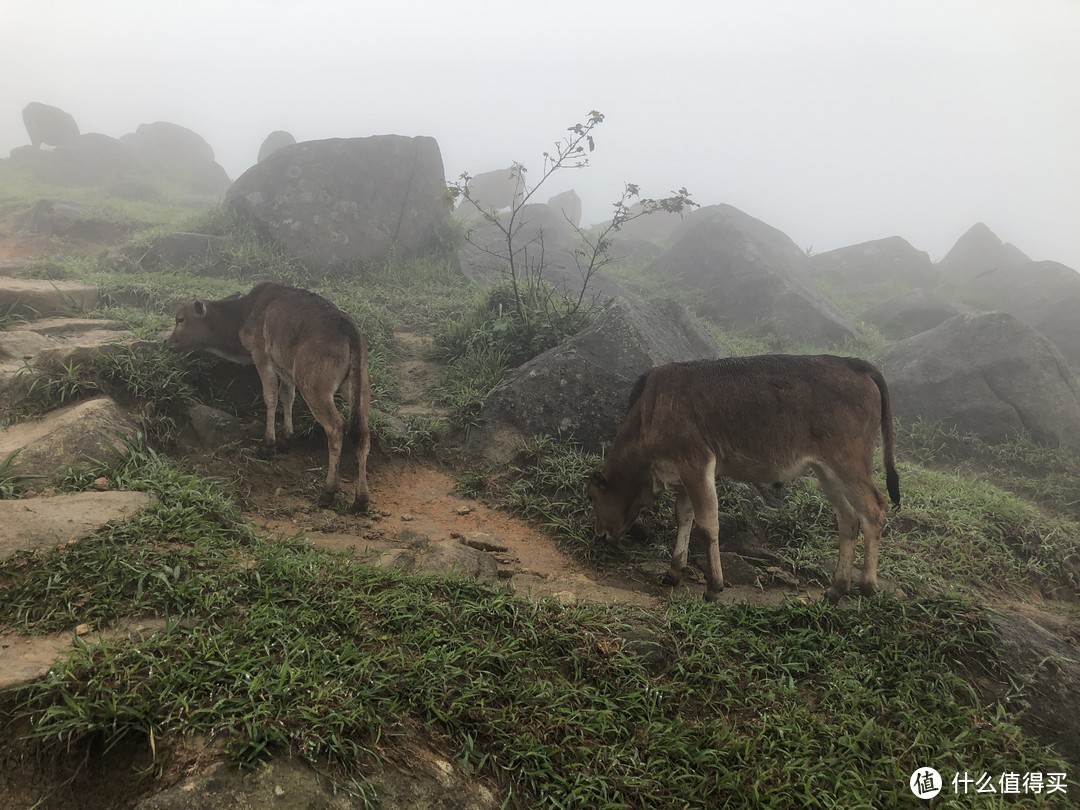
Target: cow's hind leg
[684,511]
[700,485]
[268,376]
[320,401]
[854,511]
[287,394]
[871,507]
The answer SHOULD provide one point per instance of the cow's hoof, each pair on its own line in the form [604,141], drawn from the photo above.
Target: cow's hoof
[360,503]
[671,578]
[266,450]
[868,589]
[282,445]
[711,595]
[326,500]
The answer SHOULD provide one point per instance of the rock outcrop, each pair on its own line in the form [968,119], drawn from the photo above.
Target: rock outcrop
[909,314]
[48,125]
[977,251]
[749,276]
[346,201]
[278,139]
[989,374]
[876,269]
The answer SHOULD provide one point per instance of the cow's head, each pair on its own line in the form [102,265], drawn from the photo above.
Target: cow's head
[616,504]
[190,330]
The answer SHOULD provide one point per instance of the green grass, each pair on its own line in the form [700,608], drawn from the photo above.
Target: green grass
[274,646]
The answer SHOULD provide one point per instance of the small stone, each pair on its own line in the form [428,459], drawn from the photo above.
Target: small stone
[464,510]
[279,492]
[82,630]
[407,518]
[102,484]
[279,791]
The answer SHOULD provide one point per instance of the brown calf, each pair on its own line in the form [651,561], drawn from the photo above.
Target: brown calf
[295,339]
[763,420]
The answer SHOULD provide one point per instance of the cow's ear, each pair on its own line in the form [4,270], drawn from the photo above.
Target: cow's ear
[200,308]
[597,482]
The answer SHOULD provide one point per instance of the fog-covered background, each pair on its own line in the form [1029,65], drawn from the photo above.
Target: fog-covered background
[835,121]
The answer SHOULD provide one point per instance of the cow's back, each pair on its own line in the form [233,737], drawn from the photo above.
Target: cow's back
[282,319]
[756,415]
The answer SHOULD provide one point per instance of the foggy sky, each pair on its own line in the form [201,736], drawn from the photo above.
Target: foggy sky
[836,121]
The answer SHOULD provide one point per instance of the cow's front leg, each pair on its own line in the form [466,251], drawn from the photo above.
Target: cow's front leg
[684,511]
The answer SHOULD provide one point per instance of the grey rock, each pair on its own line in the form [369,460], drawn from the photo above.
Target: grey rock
[178,153]
[278,139]
[750,276]
[909,313]
[215,428]
[1049,670]
[74,221]
[579,389]
[977,251]
[568,205]
[989,374]
[495,189]
[29,524]
[442,557]
[172,251]
[95,430]
[49,125]
[876,269]
[35,298]
[1044,295]
[92,159]
[347,200]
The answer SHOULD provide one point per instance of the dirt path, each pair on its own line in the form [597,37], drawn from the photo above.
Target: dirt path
[418,376]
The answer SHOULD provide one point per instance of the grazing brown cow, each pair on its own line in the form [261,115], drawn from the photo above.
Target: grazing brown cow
[763,420]
[295,338]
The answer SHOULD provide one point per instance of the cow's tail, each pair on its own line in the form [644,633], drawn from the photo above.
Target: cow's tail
[888,439]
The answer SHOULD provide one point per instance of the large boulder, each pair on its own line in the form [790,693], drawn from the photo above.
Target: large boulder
[1045,295]
[568,205]
[749,276]
[909,314]
[496,189]
[278,139]
[87,432]
[90,159]
[977,251]
[1048,707]
[178,154]
[48,125]
[989,374]
[873,270]
[347,200]
[579,389]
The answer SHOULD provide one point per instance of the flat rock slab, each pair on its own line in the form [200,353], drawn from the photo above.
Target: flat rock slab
[27,524]
[33,297]
[63,326]
[27,658]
